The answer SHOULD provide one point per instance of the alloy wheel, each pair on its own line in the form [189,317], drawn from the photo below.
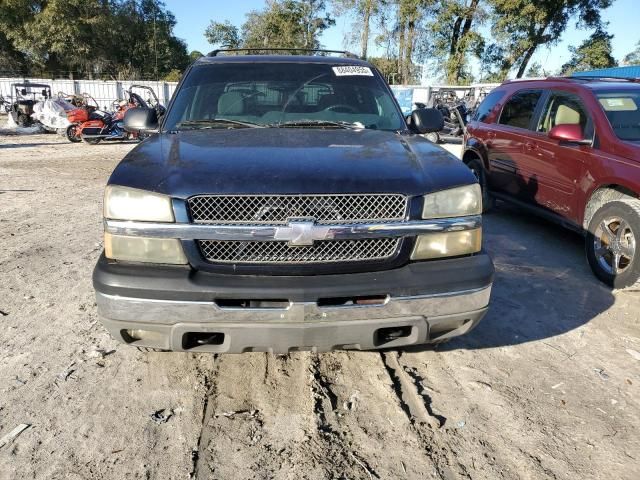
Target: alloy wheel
[614,245]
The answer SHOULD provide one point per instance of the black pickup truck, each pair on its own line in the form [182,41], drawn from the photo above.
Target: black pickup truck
[286,204]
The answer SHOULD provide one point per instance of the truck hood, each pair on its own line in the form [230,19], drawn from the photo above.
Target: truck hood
[289,161]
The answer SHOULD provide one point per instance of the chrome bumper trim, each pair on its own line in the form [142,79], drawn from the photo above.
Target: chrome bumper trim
[170,312]
[188,231]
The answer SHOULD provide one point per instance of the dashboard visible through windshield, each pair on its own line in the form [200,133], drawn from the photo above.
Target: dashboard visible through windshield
[264,94]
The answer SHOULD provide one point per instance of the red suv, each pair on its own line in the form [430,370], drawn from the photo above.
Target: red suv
[567,149]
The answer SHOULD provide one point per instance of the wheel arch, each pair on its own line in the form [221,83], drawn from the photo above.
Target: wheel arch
[604,194]
[473,153]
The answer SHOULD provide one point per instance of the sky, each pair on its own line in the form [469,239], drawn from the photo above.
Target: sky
[193,17]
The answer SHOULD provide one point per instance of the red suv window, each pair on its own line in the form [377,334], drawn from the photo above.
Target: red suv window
[564,108]
[488,104]
[519,109]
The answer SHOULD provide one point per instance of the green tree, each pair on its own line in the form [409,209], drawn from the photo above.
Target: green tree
[223,34]
[593,53]
[521,26]
[364,13]
[93,38]
[282,24]
[195,55]
[633,58]
[535,71]
[453,36]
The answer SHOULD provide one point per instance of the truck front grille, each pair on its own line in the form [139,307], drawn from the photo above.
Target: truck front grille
[279,209]
[325,251]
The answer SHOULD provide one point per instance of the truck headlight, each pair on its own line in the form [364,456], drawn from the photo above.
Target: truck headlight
[453,202]
[447,244]
[124,203]
[142,249]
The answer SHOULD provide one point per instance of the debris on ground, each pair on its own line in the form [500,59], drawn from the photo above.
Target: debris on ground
[13,434]
[248,413]
[635,354]
[162,416]
[602,373]
[66,373]
[352,403]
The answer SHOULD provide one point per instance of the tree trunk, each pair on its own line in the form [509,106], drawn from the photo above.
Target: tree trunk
[531,50]
[401,45]
[364,39]
[408,50]
[457,53]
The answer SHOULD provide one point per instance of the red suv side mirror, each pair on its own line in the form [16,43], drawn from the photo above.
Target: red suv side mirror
[568,133]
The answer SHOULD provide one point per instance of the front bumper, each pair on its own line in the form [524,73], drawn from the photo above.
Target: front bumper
[179,309]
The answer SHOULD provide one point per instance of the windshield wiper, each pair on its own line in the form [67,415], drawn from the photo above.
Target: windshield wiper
[320,123]
[216,123]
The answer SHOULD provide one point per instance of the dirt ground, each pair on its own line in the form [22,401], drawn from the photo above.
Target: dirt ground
[547,386]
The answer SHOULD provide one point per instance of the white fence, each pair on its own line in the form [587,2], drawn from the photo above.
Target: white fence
[105,92]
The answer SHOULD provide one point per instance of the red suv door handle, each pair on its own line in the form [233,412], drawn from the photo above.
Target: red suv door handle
[491,134]
[530,146]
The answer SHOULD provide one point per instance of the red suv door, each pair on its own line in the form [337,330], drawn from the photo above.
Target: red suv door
[554,167]
[504,145]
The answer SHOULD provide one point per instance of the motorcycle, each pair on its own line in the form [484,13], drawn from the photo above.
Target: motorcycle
[100,125]
[85,105]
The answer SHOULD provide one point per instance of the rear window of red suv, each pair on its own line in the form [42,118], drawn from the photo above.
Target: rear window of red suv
[622,108]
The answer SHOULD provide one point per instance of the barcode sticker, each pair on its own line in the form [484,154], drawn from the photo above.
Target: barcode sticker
[347,70]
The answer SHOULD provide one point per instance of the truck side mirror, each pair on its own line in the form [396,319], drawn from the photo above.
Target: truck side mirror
[425,120]
[140,119]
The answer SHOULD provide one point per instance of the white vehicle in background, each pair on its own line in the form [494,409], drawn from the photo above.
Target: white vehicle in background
[52,114]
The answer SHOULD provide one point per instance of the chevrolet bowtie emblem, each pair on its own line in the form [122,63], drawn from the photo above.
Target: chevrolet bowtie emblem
[301,233]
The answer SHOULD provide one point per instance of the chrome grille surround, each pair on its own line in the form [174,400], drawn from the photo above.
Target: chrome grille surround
[325,251]
[279,209]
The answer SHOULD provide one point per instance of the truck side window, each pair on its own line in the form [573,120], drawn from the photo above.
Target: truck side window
[519,109]
[487,105]
[565,109]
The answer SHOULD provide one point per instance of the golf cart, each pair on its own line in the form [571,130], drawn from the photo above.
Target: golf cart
[455,113]
[26,96]
[149,96]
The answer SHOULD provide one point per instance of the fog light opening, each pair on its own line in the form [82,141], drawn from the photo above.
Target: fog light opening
[200,339]
[145,337]
[390,334]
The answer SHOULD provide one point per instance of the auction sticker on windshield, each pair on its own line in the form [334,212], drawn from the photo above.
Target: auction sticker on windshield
[346,70]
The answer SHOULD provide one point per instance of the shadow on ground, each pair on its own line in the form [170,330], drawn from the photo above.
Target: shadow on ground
[543,286]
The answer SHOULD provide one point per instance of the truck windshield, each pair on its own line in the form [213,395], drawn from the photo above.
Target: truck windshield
[303,95]
[622,108]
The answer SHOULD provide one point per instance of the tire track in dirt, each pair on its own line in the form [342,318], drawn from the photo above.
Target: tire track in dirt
[260,420]
[368,418]
[426,424]
[332,438]
[209,383]
[485,452]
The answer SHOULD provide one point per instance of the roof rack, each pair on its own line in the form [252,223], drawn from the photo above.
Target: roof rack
[216,53]
[598,78]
